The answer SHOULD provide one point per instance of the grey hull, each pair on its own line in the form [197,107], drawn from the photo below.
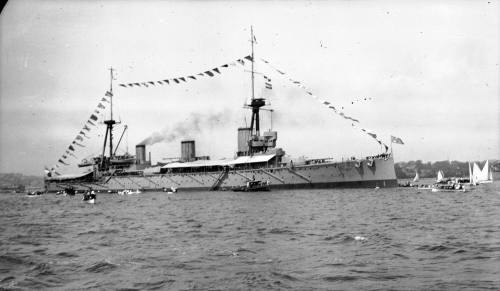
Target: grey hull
[346,174]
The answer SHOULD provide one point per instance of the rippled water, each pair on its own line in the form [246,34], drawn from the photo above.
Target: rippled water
[358,239]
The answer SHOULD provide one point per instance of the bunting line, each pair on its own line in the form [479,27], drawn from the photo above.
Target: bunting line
[267,82]
[82,136]
[185,79]
[326,103]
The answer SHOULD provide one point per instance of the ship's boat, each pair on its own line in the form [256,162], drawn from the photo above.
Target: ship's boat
[253,186]
[258,158]
[170,190]
[442,189]
[86,163]
[451,186]
[89,197]
[123,192]
[69,191]
[123,160]
[34,193]
[129,192]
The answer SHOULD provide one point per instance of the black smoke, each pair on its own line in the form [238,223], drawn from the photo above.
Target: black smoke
[189,127]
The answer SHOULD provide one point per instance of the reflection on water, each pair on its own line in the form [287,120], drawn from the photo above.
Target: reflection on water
[302,239]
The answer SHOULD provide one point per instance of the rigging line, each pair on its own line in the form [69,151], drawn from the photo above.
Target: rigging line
[326,103]
[300,85]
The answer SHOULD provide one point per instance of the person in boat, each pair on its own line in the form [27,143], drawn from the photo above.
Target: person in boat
[89,195]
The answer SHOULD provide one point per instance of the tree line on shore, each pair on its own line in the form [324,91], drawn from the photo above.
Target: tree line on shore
[16,181]
[407,170]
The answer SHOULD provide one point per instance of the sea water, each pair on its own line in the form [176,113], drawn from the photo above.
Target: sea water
[336,239]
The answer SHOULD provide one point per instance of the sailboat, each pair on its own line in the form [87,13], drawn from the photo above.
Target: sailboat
[417,177]
[470,175]
[476,171]
[440,176]
[485,175]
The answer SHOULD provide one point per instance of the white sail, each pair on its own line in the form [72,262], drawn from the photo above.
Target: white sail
[476,171]
[440,176]
[417,177]
[484,174]
[470,174]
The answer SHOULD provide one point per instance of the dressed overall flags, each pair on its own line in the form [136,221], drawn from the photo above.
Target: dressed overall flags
[396,140]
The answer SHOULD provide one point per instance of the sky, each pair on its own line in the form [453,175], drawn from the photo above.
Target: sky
[428,69]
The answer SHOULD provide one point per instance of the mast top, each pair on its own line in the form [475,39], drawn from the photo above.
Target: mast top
[111,70]
[252,40]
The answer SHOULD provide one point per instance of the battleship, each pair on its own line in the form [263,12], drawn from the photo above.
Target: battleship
[258,158]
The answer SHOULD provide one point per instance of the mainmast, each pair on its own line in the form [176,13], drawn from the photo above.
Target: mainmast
[252,40]
[255,103]
[111,91]
[250,141]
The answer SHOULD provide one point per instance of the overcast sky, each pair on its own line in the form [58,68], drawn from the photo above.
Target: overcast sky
[431,69]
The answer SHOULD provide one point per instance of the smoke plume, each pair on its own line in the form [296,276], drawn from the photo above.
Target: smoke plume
[192,125]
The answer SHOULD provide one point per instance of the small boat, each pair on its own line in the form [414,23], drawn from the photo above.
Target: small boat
[129,192]
[483,176]
[417,177]
[450,185]
[89,197]
[440,176]
[34,193]
[437,189]
[170,190]
[410,184]
[253,186]
[70,191]
[126,159]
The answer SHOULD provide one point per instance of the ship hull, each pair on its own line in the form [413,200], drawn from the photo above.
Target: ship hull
[346,174]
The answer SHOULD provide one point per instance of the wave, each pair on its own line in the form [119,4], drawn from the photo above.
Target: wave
[8,279]
[67,255]
[284,276]
[42,269]
[154,285]
[242,250]
[100,231]
[436,248]
[102,266]
[401,256]
[9,262]
[341,278]
[281,231]
[344,238]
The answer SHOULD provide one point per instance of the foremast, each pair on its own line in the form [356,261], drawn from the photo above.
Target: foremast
[104,165]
